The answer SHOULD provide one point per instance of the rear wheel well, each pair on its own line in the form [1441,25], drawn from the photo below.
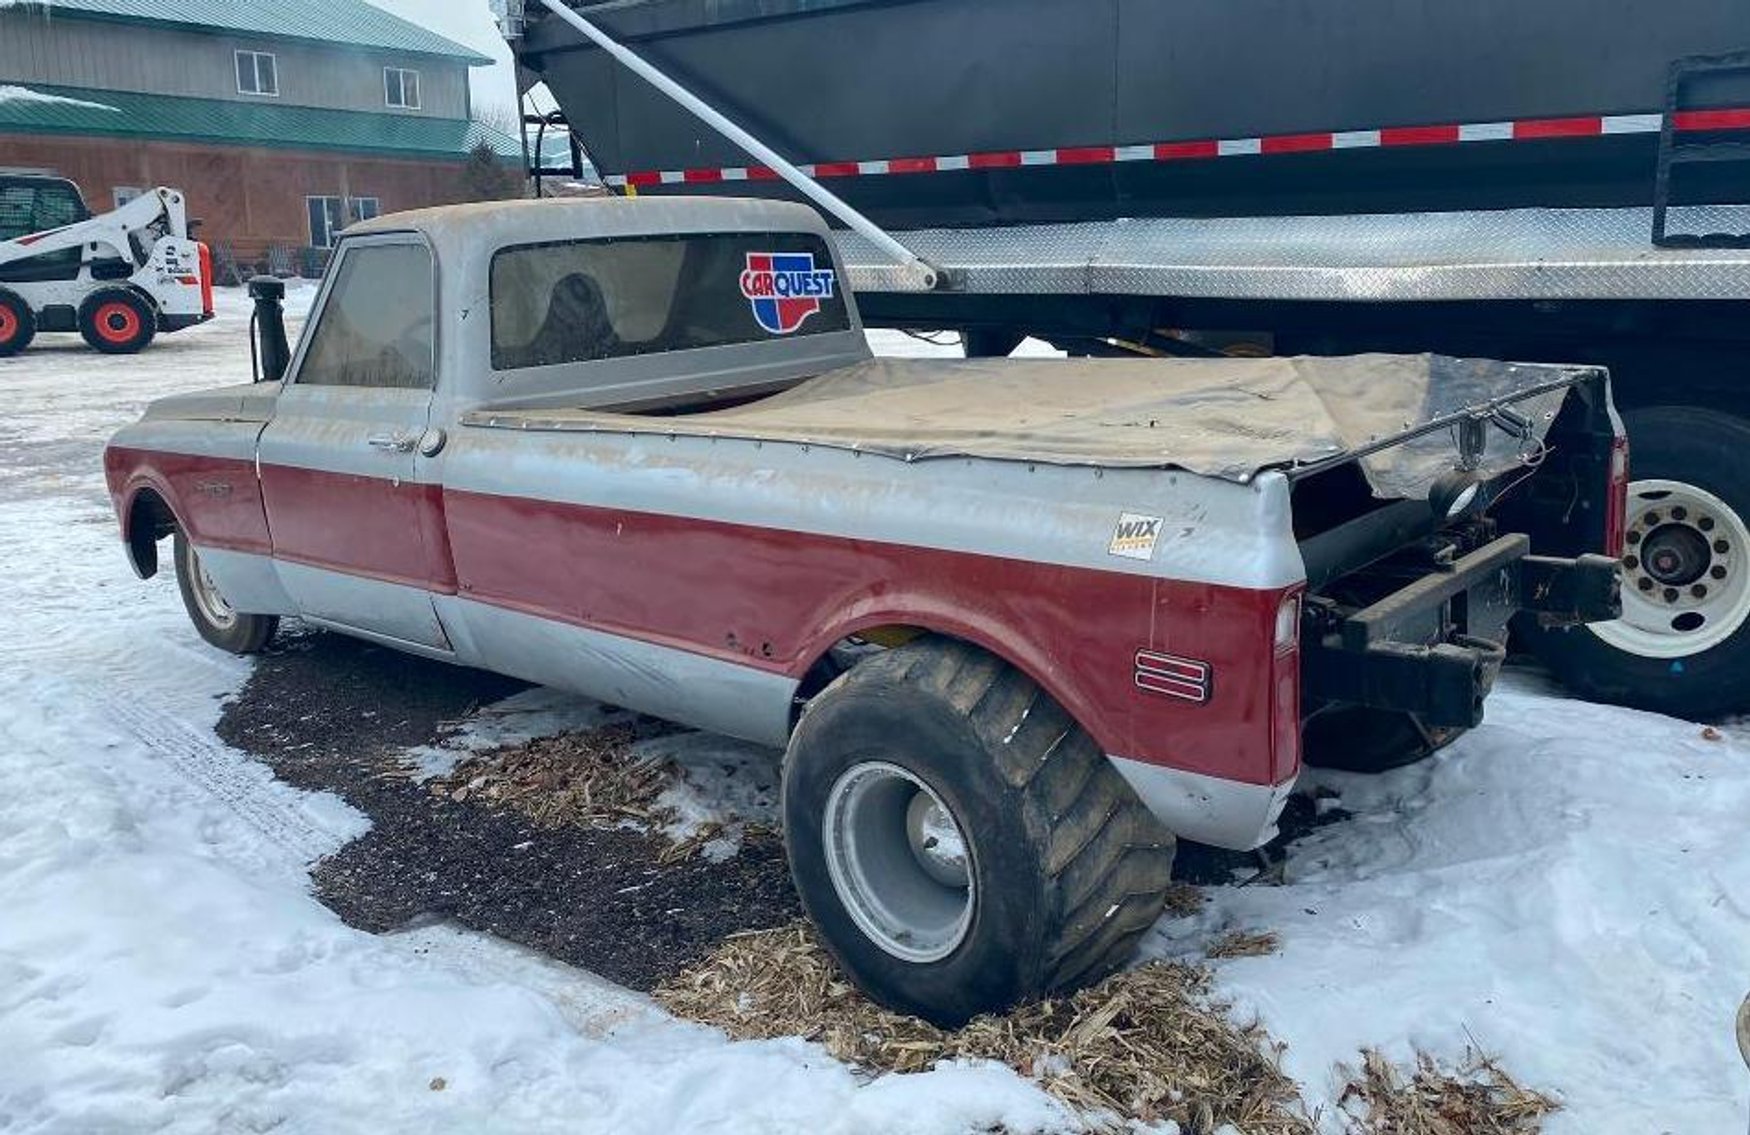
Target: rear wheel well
[150,519]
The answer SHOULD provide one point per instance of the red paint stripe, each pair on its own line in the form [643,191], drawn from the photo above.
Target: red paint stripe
[1418,135]
[761,173]
[911,165]
[1733,119]
[1006,159]
[835,169]
[1295,143]
[702,176]
[1086,155]
[644,177]
[1185,151]
[1534,128]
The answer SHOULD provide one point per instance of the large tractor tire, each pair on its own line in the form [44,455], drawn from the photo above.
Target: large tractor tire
[212,614]
[961,844]
[17,324]
[1682,645]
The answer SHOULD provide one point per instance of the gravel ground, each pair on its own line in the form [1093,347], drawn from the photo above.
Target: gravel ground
[328,712]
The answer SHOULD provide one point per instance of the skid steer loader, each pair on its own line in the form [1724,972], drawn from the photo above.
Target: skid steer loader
[117,278]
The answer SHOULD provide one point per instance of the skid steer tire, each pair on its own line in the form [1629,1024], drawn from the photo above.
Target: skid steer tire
[117,321]
[17,324]
[1063,867]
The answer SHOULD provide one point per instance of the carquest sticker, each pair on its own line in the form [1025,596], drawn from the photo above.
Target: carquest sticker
[785,288]
[1135,536]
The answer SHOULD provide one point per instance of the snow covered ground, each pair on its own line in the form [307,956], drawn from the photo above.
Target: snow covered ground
[1568,887]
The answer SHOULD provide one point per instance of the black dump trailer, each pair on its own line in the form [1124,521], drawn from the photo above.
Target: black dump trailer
[1539,180]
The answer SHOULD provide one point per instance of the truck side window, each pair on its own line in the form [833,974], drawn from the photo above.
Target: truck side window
[376,327]
[576,301]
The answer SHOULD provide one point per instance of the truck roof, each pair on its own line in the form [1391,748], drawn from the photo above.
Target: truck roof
[490,225]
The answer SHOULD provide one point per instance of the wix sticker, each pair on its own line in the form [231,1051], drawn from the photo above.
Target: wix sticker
[1135,536]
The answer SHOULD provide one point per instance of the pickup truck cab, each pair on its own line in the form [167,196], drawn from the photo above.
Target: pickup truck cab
[1017,624]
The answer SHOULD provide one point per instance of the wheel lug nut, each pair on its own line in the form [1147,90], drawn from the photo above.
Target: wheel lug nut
[1651,520]
[1699,591]
[1722,547]
[1644,583]
[1634,536]
[1678,512]
[1631,562]
[1705,523]
[1718,571]
[1670,595]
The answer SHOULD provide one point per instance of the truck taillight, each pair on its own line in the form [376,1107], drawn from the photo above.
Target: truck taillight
[1285,690]
[1616,510]
[1288,623]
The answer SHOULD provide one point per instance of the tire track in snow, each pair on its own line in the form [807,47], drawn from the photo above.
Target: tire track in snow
[248,789]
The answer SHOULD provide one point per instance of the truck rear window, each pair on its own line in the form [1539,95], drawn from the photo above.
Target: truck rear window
[576,301]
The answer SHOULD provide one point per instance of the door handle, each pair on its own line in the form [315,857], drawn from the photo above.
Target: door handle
[392,443]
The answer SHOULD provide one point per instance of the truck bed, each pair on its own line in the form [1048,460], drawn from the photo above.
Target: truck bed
[1219,417]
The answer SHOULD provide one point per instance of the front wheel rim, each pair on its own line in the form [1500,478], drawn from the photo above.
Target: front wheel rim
[1686,575]
[899,861]
[214,607]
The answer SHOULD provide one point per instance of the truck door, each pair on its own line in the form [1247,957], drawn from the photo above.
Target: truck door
[346,514]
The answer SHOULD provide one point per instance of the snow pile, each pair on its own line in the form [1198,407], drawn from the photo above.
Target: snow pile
[1567,887]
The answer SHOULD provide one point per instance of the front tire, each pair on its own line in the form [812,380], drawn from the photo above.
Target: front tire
[1682,645]
[959,841]
[213,616]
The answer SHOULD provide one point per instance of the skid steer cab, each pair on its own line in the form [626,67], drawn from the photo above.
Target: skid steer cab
[118,278]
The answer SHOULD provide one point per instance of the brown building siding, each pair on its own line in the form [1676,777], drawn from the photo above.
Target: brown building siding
[247,197]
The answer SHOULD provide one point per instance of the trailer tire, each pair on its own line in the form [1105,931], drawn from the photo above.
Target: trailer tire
[17,324]
[960,843]
[117,321]
[1689,537]
[213,617]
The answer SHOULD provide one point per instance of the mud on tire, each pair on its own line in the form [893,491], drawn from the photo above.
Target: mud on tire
[1066,867]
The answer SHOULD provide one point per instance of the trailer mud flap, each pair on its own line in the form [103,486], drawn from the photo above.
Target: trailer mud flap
[1434,647]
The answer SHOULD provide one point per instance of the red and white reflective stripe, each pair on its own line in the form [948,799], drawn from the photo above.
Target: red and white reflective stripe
[1387,137]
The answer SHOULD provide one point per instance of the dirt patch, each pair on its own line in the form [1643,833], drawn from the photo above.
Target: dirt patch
[1477,1098]
[1244,944]
[328,712]
[1149,1044]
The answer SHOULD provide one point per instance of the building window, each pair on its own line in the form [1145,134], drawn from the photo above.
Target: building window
[328,215]
[257,74]
[401,87]
[125,193]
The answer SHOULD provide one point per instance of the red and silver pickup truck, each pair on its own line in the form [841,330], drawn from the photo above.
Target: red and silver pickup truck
[1018,624]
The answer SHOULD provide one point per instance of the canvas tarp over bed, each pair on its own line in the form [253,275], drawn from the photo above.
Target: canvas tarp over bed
[1225,418]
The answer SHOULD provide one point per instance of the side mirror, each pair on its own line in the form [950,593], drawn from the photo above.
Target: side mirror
[269,353]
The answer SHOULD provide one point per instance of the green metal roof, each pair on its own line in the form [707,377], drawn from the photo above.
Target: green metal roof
[351,22]
[128,114]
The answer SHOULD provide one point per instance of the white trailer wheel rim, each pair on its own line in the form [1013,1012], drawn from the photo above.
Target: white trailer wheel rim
[899,861]
[1686,573]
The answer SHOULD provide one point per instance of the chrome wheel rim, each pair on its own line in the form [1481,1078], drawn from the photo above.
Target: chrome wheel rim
[899,861]
[1686,576]
[214,607]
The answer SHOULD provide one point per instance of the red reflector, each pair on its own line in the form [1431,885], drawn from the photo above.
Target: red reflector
[1616,510]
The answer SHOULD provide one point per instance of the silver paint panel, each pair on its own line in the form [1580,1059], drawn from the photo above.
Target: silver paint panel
[676,685]
[353,602]
[250,583]
[1208,809]
[1215,532]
